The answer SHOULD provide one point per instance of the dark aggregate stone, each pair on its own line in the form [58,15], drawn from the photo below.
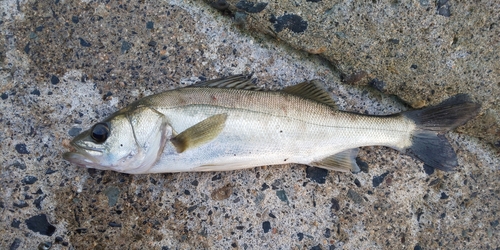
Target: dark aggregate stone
[494,223]
[300,236]
[112,193]
[54,79]
[20,204]
[251,7]
[272,215]
[357,182]
[35,92]
[327,233]
[19,165]
[114,224]
[39,224]
[194,183]
[318,247]
[126,46]
[29,180]
[282,195]
[81,230]
[38,201]
[317,175]
[21,149]
[444,196]
[264,186]
[314,1]
[335,204]
[50,171]
[443,8]
[377,180]
[393,41]
[75,19]
[15,223]
[58,239]
[74,131]
[84,43]
[216,177]
[417,247]
[266,225]
[293,22]
[413,66]
[45,245]
[152,43]
[363,166]
[149,25]
[15,245]
[428,169]
[377,84]
[354,196]
[4,96]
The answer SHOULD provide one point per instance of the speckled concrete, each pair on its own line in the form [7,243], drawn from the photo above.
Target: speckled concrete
[67,64]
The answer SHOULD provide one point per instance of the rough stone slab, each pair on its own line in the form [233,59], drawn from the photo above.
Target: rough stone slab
[68,64]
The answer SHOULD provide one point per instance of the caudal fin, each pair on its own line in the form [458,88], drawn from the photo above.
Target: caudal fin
[428,142]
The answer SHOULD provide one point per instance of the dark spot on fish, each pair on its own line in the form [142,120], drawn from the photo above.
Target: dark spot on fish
[292,22]
[40,224]
[317,175]
[266,226]
[251,7]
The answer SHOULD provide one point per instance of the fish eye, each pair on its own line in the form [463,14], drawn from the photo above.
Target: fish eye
[100,132]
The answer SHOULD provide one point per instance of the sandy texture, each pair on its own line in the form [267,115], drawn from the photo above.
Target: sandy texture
[65,65]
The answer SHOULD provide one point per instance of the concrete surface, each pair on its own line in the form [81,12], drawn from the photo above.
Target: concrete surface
[68,64]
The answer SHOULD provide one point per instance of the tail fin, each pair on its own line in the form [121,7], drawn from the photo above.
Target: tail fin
[428,142]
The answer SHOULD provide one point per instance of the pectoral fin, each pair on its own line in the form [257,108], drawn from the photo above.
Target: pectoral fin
[344,161]
[200,133]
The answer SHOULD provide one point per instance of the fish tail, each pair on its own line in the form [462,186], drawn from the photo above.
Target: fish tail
[428,142]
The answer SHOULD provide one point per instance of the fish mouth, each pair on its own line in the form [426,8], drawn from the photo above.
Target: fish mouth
[80,156]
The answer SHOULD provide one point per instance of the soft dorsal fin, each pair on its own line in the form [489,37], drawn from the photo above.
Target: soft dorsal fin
[200,133]
[234,82]
[344,161]
[312,90]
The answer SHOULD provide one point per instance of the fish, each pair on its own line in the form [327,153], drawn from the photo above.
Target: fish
[230,123]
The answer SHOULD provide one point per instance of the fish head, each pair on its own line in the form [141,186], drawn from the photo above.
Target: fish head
[127,142]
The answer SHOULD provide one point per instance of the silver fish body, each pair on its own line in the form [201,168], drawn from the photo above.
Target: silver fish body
[226,125]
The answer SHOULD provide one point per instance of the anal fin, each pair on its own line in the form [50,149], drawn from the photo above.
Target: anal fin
[344,161]
[200,133]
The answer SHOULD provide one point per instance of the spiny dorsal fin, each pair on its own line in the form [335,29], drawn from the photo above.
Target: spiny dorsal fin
[200,133]
[312,90]
[344,161]
[234,82]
